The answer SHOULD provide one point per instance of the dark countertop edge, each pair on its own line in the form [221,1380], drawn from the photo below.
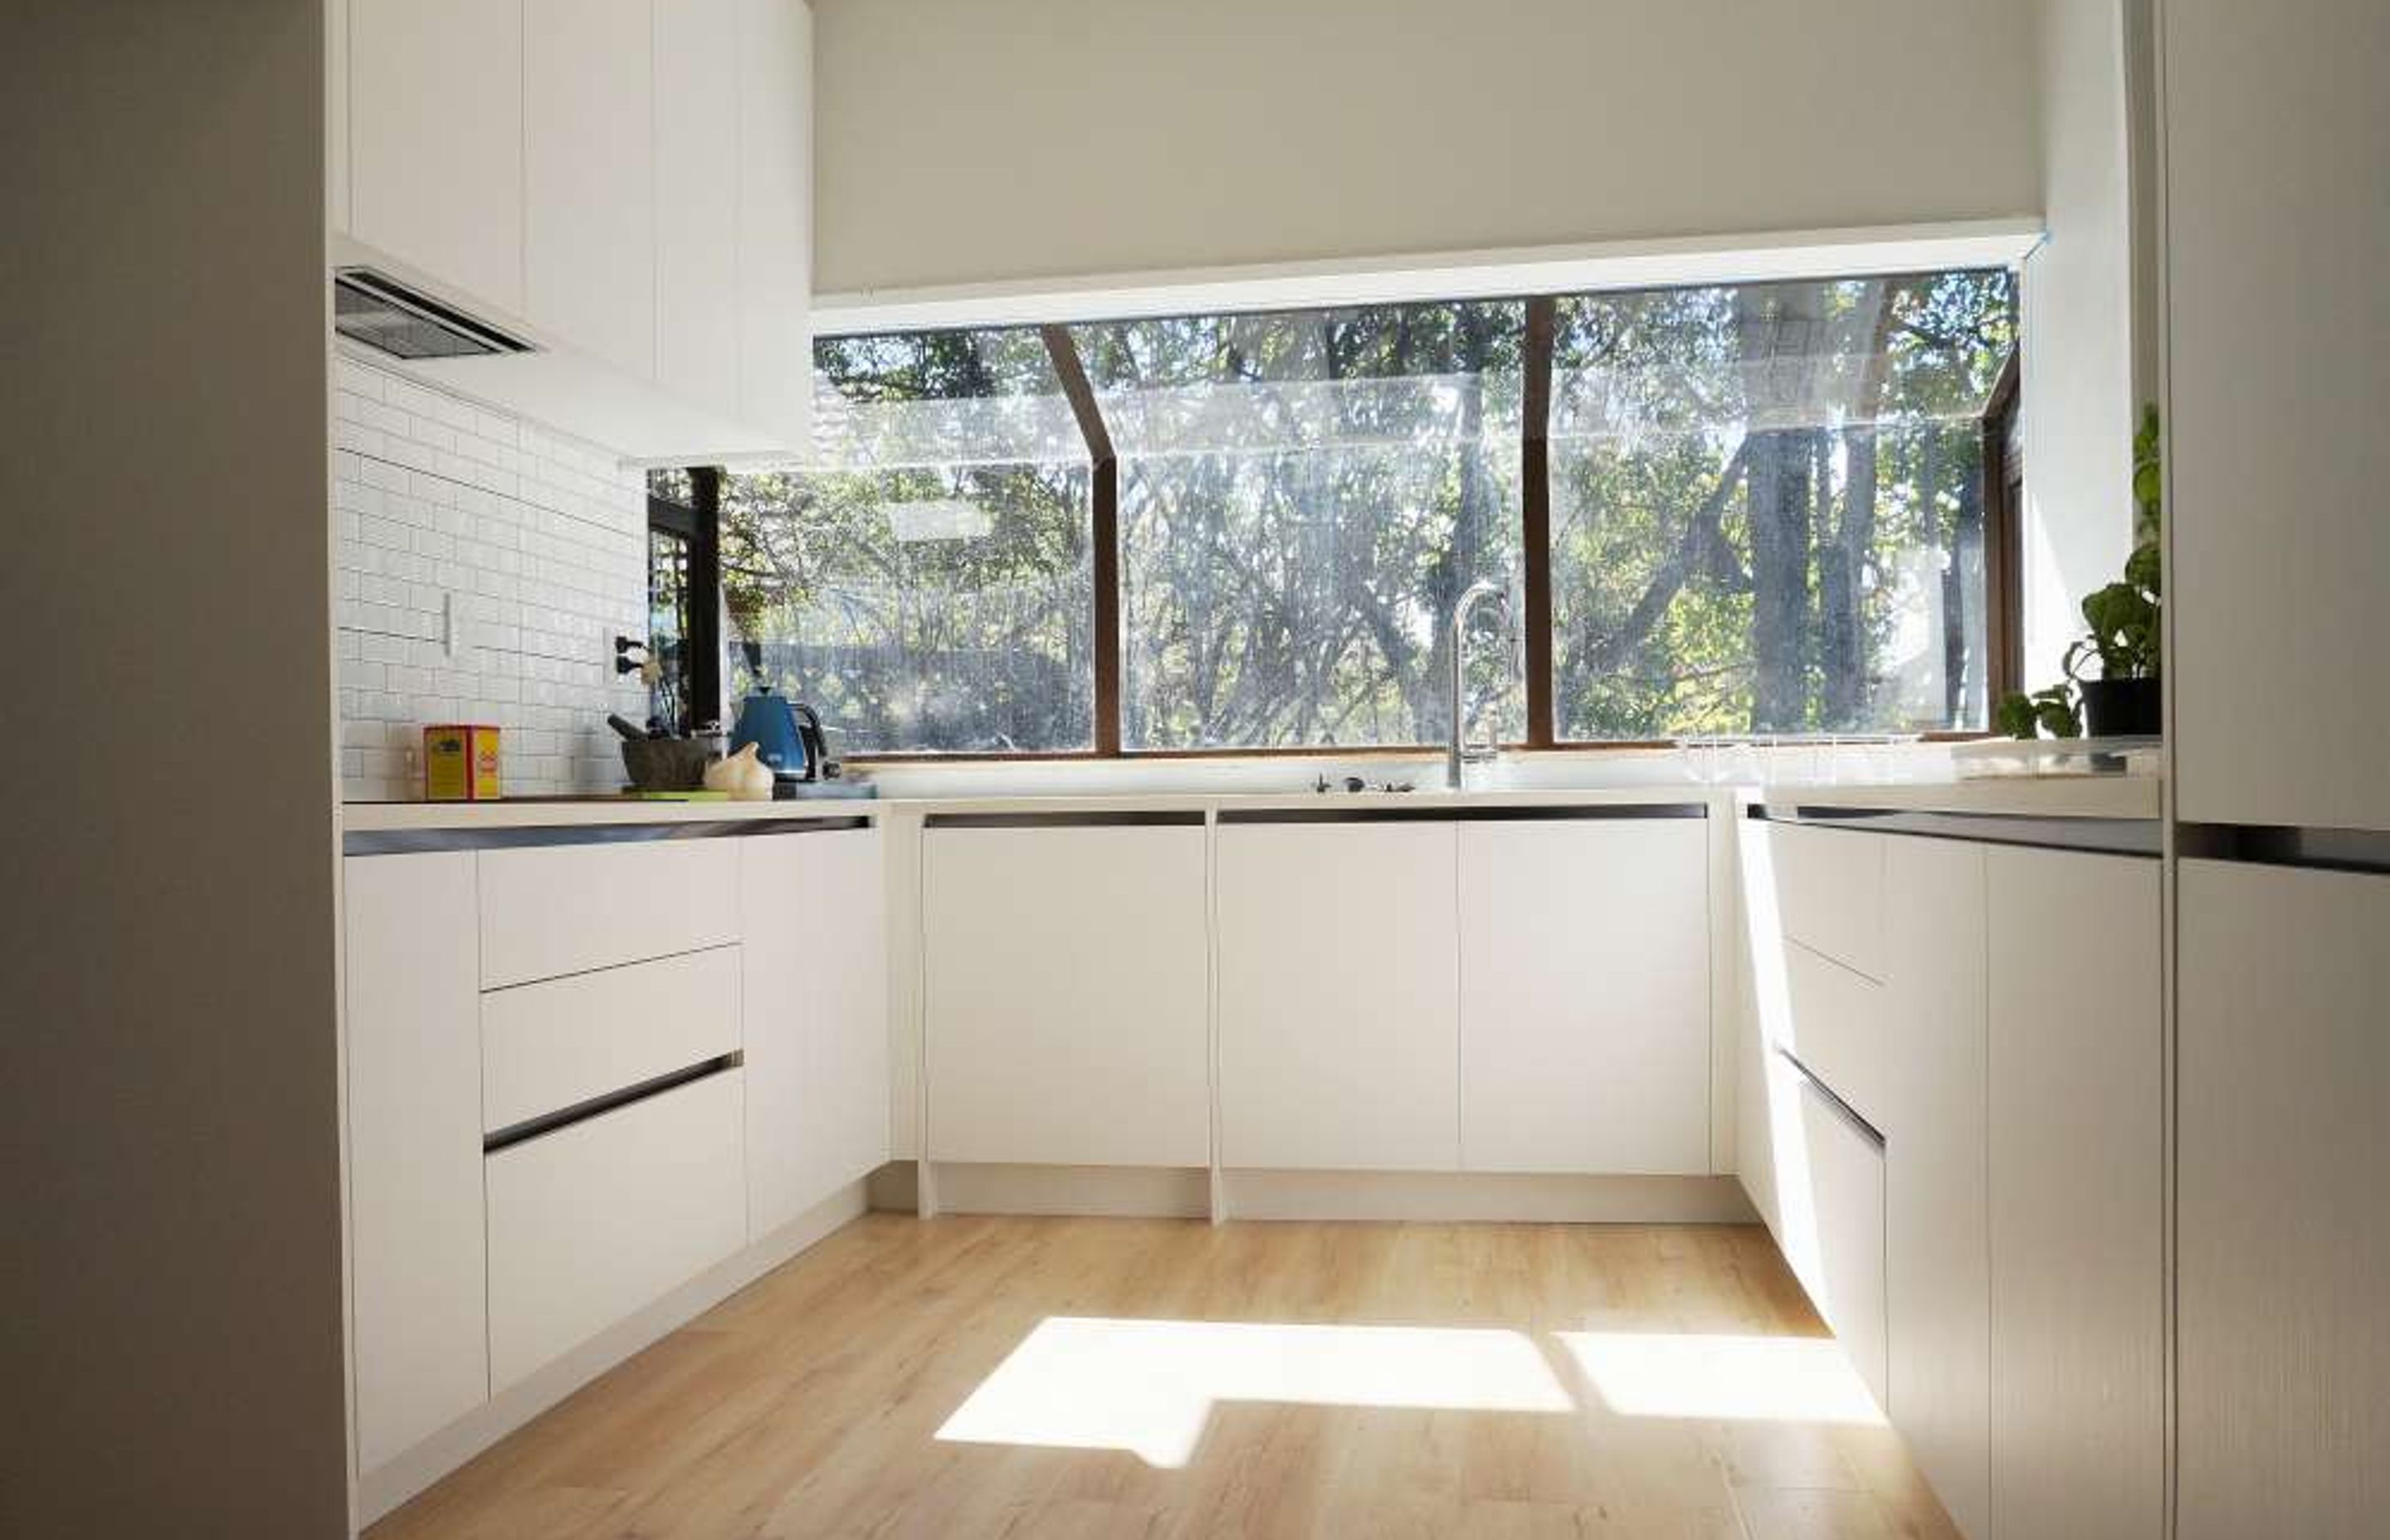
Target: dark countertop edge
[2143,837]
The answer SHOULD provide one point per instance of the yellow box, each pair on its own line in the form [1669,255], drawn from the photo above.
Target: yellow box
[461,764]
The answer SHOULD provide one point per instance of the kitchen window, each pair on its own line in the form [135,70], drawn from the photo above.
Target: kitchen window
[1303,495]
[1760,509]
[929,588]
[1768,507]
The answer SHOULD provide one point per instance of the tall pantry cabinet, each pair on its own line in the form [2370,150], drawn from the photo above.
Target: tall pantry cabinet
[2274,141]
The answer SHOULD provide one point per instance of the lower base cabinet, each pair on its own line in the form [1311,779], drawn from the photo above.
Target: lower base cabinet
[1339,981]
[1938,1224]
[2078,1199]
[581,1074]
[1585,996]
[1842,1265]
[418,1326]
[1988,1244]
[1067,997]
[596,1219]
[813,1004]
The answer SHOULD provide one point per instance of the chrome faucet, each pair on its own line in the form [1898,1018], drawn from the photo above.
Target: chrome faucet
[1457,752]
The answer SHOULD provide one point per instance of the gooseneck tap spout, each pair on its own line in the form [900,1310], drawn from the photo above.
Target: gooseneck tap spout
[1456,750]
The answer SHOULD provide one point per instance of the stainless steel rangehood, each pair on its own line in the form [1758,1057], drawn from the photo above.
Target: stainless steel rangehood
[376,310]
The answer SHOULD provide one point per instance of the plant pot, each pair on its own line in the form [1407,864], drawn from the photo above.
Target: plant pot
[2122,708]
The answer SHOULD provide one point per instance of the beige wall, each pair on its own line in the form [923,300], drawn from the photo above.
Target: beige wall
[2085,341]
[1010,141]
[170,1359]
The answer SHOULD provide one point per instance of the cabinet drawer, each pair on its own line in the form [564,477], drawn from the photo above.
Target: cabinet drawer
[595,1220]
[549,1045]
[1844,1265]
[572,909]
[1829,893]
[1836,1026]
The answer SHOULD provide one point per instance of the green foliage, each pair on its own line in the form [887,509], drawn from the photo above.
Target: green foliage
[2124,634]
[2028,717]
[2149,477]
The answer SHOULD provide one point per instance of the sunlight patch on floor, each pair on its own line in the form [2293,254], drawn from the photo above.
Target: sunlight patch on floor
[1727,1378]
[1147,1387]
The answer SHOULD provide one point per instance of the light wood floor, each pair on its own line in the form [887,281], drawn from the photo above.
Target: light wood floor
[810,1405]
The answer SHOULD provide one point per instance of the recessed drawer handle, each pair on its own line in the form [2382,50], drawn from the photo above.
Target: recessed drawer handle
[565,1117]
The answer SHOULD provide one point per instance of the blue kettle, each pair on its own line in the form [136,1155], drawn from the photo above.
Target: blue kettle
[787,735]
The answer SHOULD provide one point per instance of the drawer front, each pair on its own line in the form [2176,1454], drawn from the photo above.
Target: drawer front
[597,1219]
[1846,1197]
[1837,1026]
[547,912]
[1829,893]
[554,1044]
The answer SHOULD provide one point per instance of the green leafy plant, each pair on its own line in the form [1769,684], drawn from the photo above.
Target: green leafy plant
[2050,711]
[2122,617]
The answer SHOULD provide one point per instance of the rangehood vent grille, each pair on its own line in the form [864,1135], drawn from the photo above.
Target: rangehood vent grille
[379,312]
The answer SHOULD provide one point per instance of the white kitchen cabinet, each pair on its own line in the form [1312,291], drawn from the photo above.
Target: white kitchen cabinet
[553,910]
[595,1220]
[559,1042]
[625,185]
[435,140]
[1833,1020]
[1826,888]
[697,330]
[2077,1203]
[589,177]
[1839,1201]
[1585,996]
[816,1005]
[1938,1256]
[2283,1312]
[414,1068]
[1339,996]
[1066,996]
[2275,143]
[774,72]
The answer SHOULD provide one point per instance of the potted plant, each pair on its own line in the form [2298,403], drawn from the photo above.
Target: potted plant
[2125,699]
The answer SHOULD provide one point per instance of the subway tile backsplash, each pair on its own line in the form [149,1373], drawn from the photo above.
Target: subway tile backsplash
[484,567]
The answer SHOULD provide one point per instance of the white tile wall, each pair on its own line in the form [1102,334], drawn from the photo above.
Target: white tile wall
[538,543]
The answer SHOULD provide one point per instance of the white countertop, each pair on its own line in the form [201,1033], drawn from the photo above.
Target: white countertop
[2044,796]
[2027,796]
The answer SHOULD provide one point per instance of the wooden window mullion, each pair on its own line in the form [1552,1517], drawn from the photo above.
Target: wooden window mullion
[1105,532]
[1535,522]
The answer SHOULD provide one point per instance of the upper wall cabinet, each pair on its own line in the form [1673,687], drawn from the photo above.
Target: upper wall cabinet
[2275,373]
[776,214]
[697,150]
[435,136]
[626,184]
[589,176]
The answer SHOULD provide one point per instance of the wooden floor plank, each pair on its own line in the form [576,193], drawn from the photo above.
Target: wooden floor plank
[809,1406]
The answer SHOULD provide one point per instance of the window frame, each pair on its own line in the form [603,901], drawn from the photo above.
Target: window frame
[698,523]
[2003,471]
